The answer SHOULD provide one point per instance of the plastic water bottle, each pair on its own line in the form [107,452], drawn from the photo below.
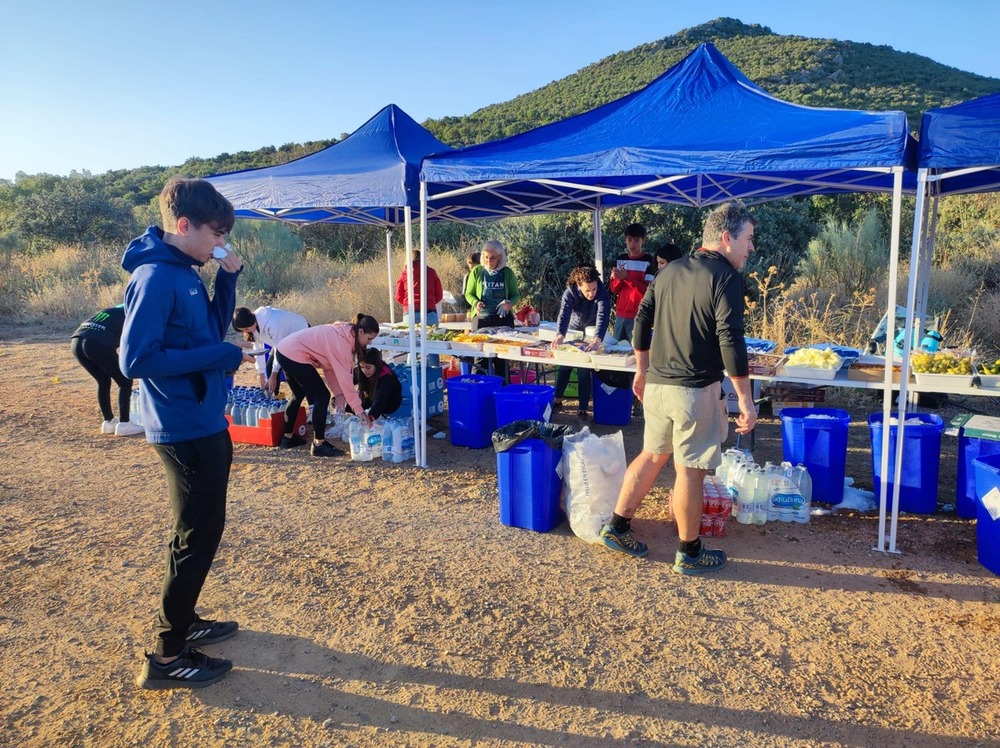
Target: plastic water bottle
[354,437]
[402,441]
[373,442]
[387,427]
[743,502]
[135,410]
[761,496]
[804,483]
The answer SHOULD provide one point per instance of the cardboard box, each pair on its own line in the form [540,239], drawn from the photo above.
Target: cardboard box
[732,403]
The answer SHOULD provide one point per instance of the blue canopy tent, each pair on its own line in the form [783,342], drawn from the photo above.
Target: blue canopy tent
[371,177]
[700,134]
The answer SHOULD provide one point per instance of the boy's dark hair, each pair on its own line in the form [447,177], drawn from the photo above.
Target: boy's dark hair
[583,274]
[670,252]
[368,386]
[636,229]
[196,200]
[242,318]
[472,258]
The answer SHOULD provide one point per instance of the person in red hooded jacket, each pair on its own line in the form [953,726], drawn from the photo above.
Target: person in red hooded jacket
[435,292]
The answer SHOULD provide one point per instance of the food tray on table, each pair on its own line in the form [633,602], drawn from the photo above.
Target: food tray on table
[765,364]
[538,350]
[871,373]
[457,345]
[807,372]
[943,380]
[613,359]
[847,355]
[512,347]
[438,345]
[572,353]
[391,340]
[989,381]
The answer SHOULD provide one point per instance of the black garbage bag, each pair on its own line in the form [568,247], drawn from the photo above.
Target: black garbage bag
[512,434]
[620,379]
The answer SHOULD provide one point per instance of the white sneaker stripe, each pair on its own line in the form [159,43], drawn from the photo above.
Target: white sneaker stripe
[197,634]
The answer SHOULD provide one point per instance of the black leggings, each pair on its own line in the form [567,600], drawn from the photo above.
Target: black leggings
[305,382]
[101,362]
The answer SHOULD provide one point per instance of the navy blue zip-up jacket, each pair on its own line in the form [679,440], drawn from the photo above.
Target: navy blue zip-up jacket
[173,341]
[577,312]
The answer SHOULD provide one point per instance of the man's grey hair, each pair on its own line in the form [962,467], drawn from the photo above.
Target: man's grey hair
[731,216]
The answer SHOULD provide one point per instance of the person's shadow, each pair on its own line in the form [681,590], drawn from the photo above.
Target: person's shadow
[294,677]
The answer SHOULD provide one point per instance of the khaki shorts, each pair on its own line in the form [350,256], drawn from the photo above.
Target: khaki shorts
[692,423]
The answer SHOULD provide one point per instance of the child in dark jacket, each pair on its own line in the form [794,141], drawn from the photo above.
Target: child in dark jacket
[585,303]
[378,386]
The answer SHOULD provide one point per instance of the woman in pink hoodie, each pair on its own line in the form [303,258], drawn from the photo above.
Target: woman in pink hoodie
[335,349]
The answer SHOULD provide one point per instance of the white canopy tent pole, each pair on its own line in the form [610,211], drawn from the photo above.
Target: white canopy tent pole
[408,222]
[421,435]
[897,483]
[598,242]
[392,285]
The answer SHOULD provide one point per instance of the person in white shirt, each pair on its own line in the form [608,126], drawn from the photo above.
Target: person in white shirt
[267,325]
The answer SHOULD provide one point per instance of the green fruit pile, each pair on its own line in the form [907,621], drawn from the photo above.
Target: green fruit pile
[940,363]
[993,368]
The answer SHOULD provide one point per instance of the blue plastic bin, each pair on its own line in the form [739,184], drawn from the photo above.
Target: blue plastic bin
[612,405]
[969,448]
[921,460]
[523,402]
[817,437]
[987,471]
[472,416]
[529,486]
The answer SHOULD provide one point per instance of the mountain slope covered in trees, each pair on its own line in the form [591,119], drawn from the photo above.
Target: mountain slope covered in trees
[814,72]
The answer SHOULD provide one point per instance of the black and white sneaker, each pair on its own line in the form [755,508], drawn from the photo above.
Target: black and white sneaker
[193,669]
[202,631]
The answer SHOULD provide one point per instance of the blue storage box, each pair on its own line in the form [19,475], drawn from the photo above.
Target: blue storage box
[472,415]
[978,436]
[434,391]
[987,470]
[612,405]
[817,437]
[529,486]
[921,460]
[524,402]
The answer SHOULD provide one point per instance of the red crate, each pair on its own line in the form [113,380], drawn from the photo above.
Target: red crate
[269,431]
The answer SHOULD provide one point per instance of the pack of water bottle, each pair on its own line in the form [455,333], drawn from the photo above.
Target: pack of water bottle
[248,406]
[776,493]
[388,439]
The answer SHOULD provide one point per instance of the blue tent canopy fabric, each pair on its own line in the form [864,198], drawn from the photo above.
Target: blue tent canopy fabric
[368,178]
[700,134]
[961,143]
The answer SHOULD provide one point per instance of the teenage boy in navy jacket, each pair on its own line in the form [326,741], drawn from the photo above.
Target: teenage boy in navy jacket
[173,341]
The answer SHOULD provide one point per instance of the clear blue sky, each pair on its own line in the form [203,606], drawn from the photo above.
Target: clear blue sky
[114,84]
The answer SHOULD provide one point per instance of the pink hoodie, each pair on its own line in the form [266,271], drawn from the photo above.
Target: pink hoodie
[330,348]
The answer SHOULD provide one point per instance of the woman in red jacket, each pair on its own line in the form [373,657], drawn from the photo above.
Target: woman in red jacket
[435,292]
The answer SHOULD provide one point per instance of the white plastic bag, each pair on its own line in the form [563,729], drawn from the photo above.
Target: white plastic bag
[592,469]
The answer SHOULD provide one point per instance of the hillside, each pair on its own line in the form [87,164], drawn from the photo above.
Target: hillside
[814,72]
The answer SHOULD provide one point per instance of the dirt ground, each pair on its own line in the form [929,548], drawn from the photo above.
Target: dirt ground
[385,605]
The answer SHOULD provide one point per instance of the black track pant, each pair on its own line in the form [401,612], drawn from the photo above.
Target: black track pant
[197,480]
[305,383]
